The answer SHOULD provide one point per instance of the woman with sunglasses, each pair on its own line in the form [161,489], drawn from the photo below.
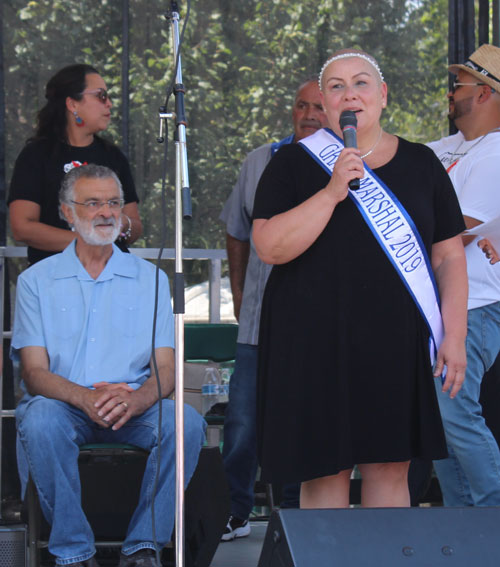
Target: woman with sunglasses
[78,108]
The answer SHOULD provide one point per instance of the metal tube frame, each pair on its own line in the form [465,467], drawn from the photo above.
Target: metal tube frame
[181,194]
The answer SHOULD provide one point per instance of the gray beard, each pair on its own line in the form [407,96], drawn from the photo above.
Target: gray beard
[90,235]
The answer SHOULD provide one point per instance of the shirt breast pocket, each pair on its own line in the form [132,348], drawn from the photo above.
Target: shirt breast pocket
[128,315]
[69,318]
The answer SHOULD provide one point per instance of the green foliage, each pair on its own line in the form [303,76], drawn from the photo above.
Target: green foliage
[241,61]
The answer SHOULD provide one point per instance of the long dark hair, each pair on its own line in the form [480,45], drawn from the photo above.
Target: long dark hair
[68,81]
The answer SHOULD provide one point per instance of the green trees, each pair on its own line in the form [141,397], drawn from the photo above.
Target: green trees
[242,62]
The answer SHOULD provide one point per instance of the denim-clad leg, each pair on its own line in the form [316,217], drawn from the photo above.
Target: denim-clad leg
[144,435]
[471,474]
[240,437]
[50,433]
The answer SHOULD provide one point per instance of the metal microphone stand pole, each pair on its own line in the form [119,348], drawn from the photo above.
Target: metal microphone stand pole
[182,211]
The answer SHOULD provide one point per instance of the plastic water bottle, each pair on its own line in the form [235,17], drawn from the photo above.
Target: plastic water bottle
[210,389]
[225,376]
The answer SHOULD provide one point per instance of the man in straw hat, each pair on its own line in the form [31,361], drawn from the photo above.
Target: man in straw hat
[471,474]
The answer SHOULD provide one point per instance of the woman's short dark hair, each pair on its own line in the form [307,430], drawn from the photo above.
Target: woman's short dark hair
[68,81]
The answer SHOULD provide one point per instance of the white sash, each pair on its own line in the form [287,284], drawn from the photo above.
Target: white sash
[394,230]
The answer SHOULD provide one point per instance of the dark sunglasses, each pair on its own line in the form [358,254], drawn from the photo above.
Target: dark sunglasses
[101,94]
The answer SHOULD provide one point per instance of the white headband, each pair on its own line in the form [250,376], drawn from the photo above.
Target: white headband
[343,56]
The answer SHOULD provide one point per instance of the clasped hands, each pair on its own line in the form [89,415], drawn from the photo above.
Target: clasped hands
[112,405]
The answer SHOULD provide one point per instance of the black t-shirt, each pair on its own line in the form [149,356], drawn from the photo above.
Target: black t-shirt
[40,169]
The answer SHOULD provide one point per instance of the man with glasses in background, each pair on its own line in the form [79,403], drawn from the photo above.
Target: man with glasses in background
[82,331]
[471,474]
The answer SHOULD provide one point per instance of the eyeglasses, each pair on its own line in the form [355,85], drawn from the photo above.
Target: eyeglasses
[456,85]
[94,205]
[101,94]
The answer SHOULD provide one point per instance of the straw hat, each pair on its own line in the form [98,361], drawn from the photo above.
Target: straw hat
[483,64]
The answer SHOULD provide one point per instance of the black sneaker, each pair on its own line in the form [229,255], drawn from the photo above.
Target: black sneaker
[235,528]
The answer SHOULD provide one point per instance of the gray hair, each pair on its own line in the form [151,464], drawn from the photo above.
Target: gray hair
[90,171]
[313,78]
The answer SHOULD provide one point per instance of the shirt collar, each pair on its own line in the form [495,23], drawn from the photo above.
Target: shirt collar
[275,146]
[69,265]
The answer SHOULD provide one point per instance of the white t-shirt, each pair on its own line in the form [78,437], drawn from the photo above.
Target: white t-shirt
[474,169]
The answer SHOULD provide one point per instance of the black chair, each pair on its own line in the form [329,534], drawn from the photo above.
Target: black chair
[103,479]
[109,497]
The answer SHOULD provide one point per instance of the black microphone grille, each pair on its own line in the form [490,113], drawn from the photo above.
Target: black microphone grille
[348,118]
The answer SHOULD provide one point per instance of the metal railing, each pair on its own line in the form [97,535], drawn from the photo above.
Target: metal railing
[213,256]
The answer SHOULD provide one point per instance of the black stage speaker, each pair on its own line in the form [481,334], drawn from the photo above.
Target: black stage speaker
[111,480]
[383,537]
[207,508]
[12,545]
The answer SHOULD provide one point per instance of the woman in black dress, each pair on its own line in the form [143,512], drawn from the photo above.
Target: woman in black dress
[345,373]
[78,108]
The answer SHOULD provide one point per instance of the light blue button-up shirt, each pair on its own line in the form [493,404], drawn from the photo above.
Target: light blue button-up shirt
[93,330]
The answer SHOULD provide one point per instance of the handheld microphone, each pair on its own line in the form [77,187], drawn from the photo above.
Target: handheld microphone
[348,124]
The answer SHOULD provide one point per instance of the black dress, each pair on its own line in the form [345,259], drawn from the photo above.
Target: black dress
[344,371]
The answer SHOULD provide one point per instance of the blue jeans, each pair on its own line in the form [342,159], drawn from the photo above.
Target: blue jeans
[240,436]
[240,431]
[470,476]
[50,433]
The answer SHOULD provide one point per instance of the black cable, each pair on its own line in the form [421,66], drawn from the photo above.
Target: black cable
[153,348]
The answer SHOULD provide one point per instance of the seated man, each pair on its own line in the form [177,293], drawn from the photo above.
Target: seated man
[83,332]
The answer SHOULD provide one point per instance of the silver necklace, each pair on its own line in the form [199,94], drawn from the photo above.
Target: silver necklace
[455,153]
[374,145]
